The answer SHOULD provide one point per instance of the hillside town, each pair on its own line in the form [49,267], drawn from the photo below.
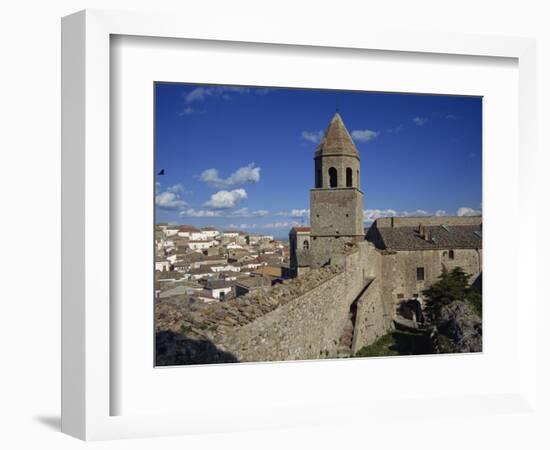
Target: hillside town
[204,265]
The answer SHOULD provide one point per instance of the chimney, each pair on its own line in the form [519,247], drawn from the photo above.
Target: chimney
[391,221]
[427,236]
[421,230]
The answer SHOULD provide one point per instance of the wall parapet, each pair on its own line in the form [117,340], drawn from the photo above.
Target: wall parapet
[242,310]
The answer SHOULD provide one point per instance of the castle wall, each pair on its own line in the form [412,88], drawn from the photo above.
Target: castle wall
[372,321]
[374,311]
[310,325]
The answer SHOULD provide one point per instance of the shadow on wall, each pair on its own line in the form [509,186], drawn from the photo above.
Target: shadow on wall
[174,349]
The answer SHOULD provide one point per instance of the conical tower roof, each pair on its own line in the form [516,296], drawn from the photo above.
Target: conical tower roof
[336,140]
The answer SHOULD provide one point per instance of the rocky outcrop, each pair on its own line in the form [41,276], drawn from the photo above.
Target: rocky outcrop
[458,329]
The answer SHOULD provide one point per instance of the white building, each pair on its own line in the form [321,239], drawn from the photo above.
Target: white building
[224,268]
[170,230]
[162,265]
[210,232]
[200,244]
[190,232]
[219,288]
[172,258]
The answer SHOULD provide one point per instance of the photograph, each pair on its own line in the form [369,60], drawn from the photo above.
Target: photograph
[298,224]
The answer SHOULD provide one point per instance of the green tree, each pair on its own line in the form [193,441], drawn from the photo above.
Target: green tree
[451,286]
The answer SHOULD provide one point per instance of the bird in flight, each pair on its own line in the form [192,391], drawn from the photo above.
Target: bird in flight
[161,172]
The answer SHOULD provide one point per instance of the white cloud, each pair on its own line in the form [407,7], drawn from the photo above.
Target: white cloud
[464,211]
[299,213]
[285,224]
[199,213]
[294,213]
[267,226]
[243,175]
[170,198]
[415,213]
[241,226]
[245,212]
[420,121]
[370,215]
[226,199]
[211,176]
[201,93]
[312,136]
[364,135]
[242,212]
[176,188]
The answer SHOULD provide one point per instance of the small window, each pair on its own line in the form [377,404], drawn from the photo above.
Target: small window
[349,176]
[451,254]
[306,245]
[333,177]
[420,274]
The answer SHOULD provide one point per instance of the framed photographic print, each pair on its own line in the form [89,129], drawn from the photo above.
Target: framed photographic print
[317,214]
[317,275]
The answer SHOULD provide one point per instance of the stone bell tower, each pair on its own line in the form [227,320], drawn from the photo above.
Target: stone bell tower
[336,202]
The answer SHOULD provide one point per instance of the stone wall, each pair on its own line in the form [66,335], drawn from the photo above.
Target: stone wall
[375,313]
[372,320]
[336,218]
[303,318]
[399,270]
[308,326]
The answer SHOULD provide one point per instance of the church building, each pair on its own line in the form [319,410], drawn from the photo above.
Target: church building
[405,254]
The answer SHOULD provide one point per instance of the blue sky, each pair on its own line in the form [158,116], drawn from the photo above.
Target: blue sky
[239,157]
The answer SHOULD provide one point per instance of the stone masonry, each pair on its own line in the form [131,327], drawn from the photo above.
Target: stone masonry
[302,318]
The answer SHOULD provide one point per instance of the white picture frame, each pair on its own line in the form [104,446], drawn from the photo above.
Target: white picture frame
[86,248]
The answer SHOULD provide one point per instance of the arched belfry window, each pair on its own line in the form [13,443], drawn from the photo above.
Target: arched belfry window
[306,245]
[349,177]
[333,177]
